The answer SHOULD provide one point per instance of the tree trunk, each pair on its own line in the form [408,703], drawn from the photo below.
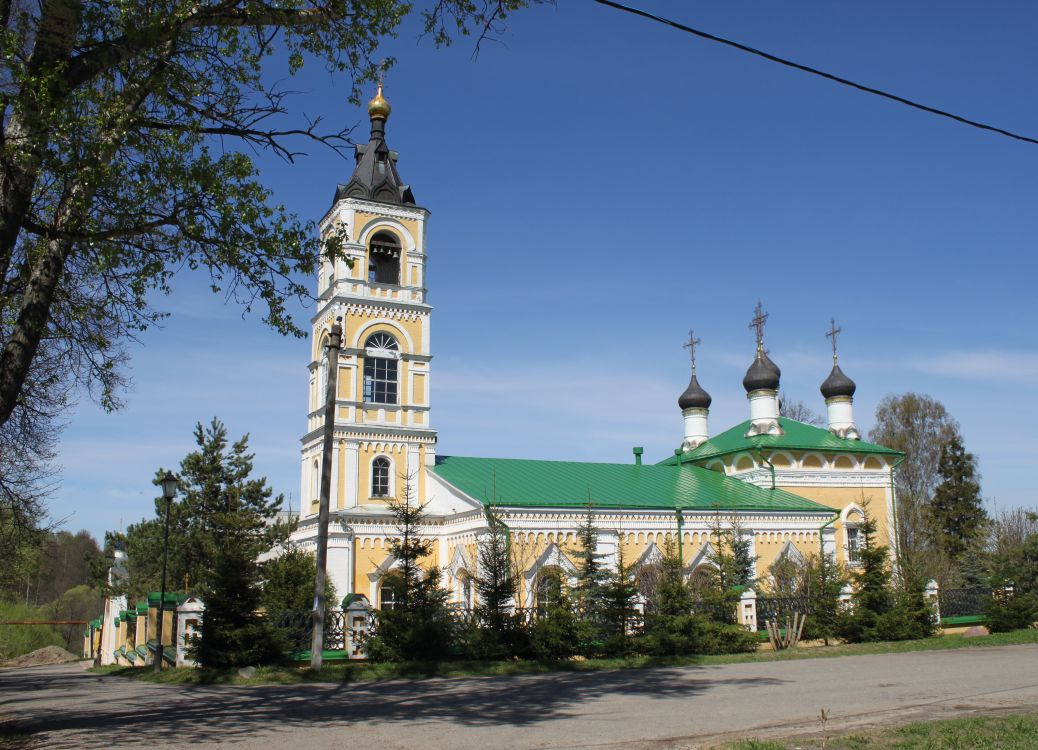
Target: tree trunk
[26,135]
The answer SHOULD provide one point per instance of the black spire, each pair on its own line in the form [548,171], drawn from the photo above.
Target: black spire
[375,177]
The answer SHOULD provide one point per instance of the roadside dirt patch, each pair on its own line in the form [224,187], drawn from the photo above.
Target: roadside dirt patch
[41,657]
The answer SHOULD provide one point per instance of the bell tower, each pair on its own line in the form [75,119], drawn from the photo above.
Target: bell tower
[382,438]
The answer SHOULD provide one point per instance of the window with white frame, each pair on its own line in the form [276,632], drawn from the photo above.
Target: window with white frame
[853,544]
[381,353]
[380,471]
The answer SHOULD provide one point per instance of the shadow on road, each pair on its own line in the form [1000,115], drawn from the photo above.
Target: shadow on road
[102,711]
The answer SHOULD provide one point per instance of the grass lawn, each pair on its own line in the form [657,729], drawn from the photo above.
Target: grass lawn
[983,733]
[364,672]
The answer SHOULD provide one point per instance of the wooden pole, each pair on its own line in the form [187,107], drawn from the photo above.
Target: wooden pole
[317,635]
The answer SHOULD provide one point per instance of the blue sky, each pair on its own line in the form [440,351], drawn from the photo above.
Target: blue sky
[598,185]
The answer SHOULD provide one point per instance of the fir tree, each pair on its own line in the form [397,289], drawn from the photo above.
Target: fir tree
[957,515]
[498,634]
[208,477]
[592,575]
[494,585]
[732,569]
[419,626]
[880,612]
[620,598]
[232,529]
[825,580]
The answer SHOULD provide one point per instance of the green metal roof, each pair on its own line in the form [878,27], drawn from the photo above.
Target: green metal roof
[798,436]
[569,484]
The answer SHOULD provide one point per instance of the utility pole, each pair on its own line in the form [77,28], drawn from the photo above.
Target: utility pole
[317,637]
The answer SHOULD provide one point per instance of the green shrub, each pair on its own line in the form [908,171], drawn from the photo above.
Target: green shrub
[1002,614]
[676,635]
[559,634]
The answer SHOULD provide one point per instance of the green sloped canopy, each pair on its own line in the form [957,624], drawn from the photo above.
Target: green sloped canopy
[798,436]
[569,484]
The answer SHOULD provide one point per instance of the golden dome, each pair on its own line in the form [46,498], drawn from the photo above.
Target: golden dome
[379,107]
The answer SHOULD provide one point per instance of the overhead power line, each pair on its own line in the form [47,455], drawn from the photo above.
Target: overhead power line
[815,71]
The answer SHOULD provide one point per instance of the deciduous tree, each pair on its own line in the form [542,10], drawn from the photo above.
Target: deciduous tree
[918,426]
[126,155]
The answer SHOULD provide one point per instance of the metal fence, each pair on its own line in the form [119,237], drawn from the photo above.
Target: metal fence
[963,602]
[296,626]
[781,607]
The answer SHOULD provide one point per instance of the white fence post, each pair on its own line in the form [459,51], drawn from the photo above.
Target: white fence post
[932,596]
[747,612]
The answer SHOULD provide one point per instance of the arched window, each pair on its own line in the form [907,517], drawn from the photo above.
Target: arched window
[380,469]
[548,588]
[384,259]
[380,369]
[389,590]
[466,592]
[315,482]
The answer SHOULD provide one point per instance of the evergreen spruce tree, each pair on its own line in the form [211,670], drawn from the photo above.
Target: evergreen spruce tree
[732,569]
[498,634]
[207,476]
[957,515]
[419,626]
[880,612]
[592,575]
[668,617]
[620,597]
[494,585]
[825,581]
[232,527]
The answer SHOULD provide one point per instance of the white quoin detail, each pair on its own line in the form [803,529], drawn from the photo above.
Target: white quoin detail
[696,431]
[841,417]
[764,413]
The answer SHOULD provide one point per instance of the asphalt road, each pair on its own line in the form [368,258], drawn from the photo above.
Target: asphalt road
[652,708]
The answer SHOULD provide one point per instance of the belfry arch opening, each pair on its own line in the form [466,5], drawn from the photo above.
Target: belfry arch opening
[384,259]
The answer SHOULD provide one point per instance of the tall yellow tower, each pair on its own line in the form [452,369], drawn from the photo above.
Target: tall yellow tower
[383,438]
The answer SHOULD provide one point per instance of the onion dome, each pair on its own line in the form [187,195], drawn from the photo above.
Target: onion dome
[694,396]
[379,107]
[763,374]
[837,384]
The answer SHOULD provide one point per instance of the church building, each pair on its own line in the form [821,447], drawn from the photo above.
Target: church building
[794,488]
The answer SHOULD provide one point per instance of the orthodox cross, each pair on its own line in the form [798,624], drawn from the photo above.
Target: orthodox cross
[691,345]
[832,333]
[757,324]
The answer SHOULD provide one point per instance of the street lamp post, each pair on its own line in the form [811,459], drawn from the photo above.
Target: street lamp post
[169,490]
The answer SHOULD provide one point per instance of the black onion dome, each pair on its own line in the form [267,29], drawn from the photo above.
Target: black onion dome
[694,396]
[762,375]
[837,384]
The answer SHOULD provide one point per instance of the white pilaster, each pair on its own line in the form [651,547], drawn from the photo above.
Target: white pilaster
[334,504]
[352,473]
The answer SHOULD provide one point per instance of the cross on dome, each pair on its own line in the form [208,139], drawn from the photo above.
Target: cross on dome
[757,324]
[691,345]
[832,333]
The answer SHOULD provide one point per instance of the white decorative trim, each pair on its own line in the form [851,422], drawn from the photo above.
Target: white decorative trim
[791,551]
[374,225]
[703,557]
